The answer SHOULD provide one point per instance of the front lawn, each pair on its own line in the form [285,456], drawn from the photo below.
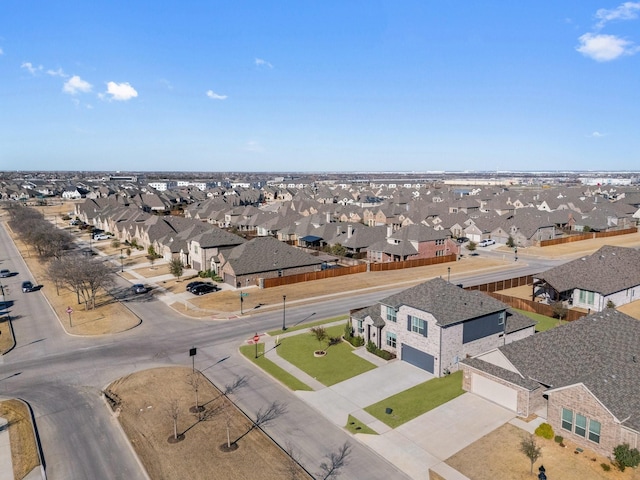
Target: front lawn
[302,326]
[417,400]
[337,365]
[271,368]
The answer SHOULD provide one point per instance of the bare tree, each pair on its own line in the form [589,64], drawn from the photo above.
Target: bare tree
[82,275]
[335,462]
[195,381]
[172,410]
[530,448]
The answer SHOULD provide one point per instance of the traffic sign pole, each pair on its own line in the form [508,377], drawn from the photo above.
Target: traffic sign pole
[256,339]
[70,311]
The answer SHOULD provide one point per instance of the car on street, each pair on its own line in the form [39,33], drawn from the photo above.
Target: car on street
[101,236]
[486,242]
[140,288]
[4,273]
[27,286]
[204,289]
[192,285]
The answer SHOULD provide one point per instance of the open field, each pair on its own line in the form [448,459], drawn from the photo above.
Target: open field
[24,450]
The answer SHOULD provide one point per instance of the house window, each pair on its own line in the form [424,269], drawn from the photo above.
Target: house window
[501,318]
[567,419]
[581,425]
[360,327]
[594,431]
[417,325]
[195,249]
[391,340]
[391,314]
[439,253]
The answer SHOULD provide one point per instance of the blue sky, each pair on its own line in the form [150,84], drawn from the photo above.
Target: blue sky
[319,85]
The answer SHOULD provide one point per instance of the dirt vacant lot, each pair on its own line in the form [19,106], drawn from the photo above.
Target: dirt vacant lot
[145,415]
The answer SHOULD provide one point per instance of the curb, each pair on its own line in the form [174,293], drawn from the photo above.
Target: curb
[36,436]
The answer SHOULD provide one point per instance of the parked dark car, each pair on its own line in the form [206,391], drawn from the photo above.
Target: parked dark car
[27,286]
[204,289]
[462,239]
[140,288]
[4,273]
[192,285]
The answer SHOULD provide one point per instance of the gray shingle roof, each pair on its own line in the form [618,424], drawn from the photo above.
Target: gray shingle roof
[266,254]
[516,321]
[609,270]
[448,303]
[373,312]
[600,350]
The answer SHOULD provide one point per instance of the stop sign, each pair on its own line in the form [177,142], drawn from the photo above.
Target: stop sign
[256,338]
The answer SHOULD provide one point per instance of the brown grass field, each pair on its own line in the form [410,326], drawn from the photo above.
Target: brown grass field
[24,451]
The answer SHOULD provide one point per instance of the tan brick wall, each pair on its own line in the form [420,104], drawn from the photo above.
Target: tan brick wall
[580,400]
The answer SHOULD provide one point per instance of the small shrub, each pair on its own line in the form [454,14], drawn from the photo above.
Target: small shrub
[558,438]
[626,457]
[544,430]
[371,347]
[356,341]
[605,466]
[348,330]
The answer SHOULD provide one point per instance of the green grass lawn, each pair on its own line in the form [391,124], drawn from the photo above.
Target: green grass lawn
[417,400]
[271,368]
[544,322]
[356,426]
[337,365]
[294,328]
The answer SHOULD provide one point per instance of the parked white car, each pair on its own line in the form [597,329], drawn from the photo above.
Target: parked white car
[486,242]
[101,236]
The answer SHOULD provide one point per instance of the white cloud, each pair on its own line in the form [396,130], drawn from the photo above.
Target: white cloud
[263,63]
[604,48]
[625,11]
[1,51]
[76,85]
[596,134]
[120,91]
[214,96]
[57,73]
[31,68]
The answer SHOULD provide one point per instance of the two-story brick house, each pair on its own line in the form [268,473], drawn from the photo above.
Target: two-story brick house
[436,324]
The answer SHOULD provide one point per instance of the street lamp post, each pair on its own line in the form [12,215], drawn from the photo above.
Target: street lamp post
[449,274]
[284,307]
[121,261]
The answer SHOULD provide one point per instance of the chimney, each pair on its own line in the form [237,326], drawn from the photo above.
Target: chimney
[389,230]
[349,231]
[328,217]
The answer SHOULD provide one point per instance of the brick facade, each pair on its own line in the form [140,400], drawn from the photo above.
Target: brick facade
[579,399]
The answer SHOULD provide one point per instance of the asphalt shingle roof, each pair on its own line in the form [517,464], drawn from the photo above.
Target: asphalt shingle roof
[600,350]
[448,303]
[609,270]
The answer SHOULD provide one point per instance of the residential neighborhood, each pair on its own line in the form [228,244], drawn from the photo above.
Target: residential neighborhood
[496,334]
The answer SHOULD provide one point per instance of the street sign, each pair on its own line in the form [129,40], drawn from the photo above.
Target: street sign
[192,351]
[256,338]
[242,294]
[69,310]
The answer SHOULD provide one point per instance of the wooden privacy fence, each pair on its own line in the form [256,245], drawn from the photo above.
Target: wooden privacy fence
[587,236]
[309,276]
[418,262]
[503,284]
[537,307]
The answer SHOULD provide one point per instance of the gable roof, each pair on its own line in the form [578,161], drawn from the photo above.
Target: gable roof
[600,351]
[608,270]
[266,254]
[448,303]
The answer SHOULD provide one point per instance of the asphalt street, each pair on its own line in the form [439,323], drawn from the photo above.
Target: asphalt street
[62,376]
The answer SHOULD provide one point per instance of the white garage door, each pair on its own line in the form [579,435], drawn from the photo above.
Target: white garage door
[496,392]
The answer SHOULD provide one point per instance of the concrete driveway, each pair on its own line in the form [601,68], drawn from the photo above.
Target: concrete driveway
[428,440]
